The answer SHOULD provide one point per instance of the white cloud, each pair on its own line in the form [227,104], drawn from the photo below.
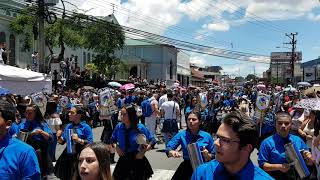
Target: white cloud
[150,16]
[244,69]
[280,9]
[222,26]
[314,17]
[199,60]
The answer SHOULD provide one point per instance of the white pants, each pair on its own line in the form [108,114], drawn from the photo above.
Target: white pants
[151,123]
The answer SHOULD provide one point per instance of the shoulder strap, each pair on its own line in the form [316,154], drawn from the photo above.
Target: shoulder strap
[174,104]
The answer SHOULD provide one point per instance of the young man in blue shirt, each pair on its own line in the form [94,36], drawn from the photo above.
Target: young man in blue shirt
[272,156]
[17,159]
[234,141]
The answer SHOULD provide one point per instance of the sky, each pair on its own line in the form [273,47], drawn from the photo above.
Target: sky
[251,26]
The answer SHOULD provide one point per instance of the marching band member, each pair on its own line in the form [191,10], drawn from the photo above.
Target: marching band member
[132,163]
[235,140]
[272,151]
[39,138]
[54,122]
[17,159]
[192,135]
[82,135]
[93,163]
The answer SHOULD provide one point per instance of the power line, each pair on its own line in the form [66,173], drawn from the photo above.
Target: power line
[256,22]
[218,52]
[262,20]
[181,44]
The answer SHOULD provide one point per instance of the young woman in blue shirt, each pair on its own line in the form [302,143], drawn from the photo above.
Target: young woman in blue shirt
[193,134]
[132,164]
[81,136]
[40,135]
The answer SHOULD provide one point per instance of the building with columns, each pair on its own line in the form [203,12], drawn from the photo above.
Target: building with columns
[152,61]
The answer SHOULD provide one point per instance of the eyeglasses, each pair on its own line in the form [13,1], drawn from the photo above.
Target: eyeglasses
[224,140]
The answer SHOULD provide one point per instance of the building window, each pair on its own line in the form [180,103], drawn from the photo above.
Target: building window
[89,58]
[171,70]
[84,59]
[2,37]
[12,46]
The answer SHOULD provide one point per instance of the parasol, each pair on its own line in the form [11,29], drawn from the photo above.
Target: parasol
[127,86]
[312,90]
[304,84]
[310,103]
[114,84]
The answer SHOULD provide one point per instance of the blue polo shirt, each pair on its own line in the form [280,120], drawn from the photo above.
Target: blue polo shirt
[183,138]
[119,136]
[33,125]
[272,149]
[18,160]
[215,170]
[82,129]
[14,130]
[130,100]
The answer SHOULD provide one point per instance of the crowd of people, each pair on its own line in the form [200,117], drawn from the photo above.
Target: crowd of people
[225,123]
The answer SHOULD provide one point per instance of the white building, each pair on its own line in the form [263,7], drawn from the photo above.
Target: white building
[281,68]
[149,61]
[15,42]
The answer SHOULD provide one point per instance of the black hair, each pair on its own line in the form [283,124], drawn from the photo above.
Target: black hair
[243,127]
[282,114]
[169,94]
[8,111]
[103,157]
[38,116]
[132,114]
[51,107]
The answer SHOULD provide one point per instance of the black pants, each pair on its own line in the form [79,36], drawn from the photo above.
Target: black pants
[184,171]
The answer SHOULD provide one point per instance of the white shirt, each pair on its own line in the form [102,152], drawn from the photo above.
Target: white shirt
[170,112]
[163,99]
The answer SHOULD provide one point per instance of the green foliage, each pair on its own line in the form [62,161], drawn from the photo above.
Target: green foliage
[24,25]
[252,77]
[77,31]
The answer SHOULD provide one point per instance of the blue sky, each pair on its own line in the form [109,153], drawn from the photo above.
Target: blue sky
[255,26]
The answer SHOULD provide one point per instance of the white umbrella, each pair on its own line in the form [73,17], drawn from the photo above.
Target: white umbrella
[290,88]
[305,84]
[114,84]
[310,103]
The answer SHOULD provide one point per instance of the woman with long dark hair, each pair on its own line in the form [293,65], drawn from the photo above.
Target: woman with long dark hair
[93,163]
[193,134]
[132,164]
[76,134]
[40,135]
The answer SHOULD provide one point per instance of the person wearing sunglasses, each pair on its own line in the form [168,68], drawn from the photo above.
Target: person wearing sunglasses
[193,134]
[234,141]
[18,160]
[81,135]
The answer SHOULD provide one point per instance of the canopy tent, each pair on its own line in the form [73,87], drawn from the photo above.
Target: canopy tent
[24,82]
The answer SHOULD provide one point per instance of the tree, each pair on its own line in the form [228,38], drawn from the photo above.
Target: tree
[26,25]
[251,77]
[77,31]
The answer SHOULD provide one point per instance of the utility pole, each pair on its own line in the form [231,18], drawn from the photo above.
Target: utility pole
[41,17]
[293,48]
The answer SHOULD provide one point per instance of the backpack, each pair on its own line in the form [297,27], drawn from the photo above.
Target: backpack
[146,107]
